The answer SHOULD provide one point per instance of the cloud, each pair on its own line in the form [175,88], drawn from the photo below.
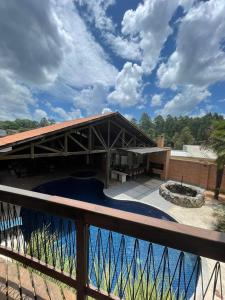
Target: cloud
[123,47]
[85,62]
[97,15]
[31,45]
[92,99]
[60,114]
[63,115]
[156,100]
[106,110]
[48,49]
[128,86]
[185,101]
[199,58]
[129,117]
[39,114]
[15,98]
[149,23]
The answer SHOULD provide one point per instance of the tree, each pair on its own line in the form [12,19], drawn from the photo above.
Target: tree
[159,124]
[134,121]
[45,122]
[145,122]
[184,138]
[216,142]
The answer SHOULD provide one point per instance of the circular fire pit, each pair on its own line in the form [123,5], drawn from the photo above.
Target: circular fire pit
[182,195]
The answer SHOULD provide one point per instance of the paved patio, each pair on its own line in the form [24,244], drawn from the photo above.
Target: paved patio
[147,191]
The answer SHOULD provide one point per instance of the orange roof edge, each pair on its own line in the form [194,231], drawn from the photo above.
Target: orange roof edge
[37,132]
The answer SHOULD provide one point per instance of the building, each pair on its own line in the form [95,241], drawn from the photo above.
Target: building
[195,152]
[108,143]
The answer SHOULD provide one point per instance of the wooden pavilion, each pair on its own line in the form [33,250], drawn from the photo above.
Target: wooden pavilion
[101,136]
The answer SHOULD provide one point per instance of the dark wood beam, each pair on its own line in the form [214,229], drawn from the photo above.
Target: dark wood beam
[116,139]
[48,148]
[66,143]
[99,138]
[108,134]
[32,150]
[107,170]
[77,142]
[14,151]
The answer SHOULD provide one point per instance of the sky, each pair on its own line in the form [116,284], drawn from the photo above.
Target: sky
[65,59]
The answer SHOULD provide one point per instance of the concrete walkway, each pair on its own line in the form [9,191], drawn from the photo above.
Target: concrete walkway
[147,191]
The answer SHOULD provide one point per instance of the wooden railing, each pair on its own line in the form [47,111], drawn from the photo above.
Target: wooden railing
[200,242]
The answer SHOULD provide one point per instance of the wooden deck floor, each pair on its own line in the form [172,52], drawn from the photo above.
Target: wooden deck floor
[18,283]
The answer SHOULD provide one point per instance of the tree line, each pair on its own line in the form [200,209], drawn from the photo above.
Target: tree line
[178,131]
[20,125]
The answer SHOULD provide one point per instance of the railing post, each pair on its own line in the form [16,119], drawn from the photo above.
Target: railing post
[82,243]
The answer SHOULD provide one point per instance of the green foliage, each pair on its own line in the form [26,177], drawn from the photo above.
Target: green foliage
[183,138]
[147,125]
[24,124]
[220,218]
[142,286]
[179,130]
[216,142]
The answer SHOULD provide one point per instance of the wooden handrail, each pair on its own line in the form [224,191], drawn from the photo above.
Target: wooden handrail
[198,241]
[202,242]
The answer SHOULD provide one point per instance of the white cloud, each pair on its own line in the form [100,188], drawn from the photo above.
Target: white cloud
[66,115]
[85,61]
[47,48]
[185,102]
[96,12]
[156,100]
[128,86]
[126,48]
[129,117]
[199,58]
[106,110]
[150,24]
[92,99]
[60,114]
[31,45]
[97,15]
[39,114]
[15,98]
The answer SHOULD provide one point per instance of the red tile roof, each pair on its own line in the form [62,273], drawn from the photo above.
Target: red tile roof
[27,135]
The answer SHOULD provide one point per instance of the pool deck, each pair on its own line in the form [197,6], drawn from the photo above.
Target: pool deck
[146,191]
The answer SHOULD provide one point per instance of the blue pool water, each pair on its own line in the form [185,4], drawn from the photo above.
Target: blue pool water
[91,191]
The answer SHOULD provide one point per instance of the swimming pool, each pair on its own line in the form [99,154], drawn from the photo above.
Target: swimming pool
[125,254]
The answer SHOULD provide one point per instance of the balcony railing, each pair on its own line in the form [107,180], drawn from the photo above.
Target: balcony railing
[106,253]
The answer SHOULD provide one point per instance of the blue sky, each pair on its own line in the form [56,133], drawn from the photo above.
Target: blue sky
[65,59]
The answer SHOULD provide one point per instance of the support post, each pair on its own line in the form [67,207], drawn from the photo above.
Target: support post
[82,258]
[32,150]
[107,169]
[66,143]
[123,138]
[108,143]
[166,164]
[148,163]
[89,138]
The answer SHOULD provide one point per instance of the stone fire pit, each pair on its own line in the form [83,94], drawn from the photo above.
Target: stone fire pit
[181,194]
